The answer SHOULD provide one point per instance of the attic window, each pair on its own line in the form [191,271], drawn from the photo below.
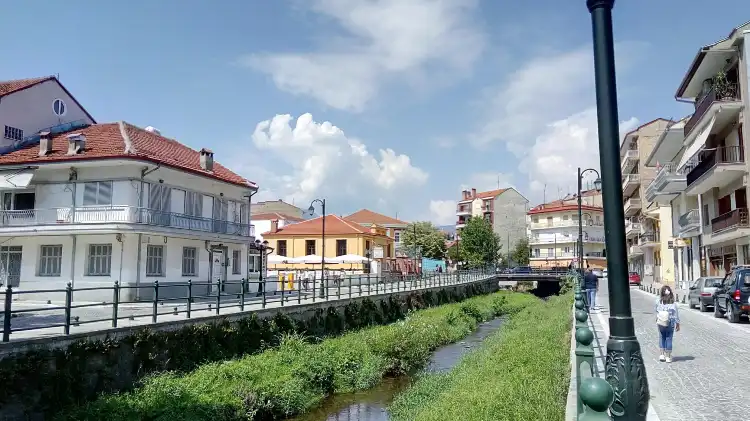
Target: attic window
[13,133]
[59,107]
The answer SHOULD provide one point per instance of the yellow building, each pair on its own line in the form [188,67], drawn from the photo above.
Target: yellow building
[341,237]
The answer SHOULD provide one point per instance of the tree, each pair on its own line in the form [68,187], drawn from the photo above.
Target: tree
[429,240]
[521,252]
[479,245]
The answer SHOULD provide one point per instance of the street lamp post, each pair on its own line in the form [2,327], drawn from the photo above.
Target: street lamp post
[311,209]
[265,250]
[625,369]
[598,187]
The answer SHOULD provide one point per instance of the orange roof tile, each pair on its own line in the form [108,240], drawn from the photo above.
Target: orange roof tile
[366,216]
[559,206]
[485,195]
[267,216]
[335,225]
[106,141]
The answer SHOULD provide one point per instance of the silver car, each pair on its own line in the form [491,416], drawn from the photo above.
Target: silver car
[702,291]
[598,272]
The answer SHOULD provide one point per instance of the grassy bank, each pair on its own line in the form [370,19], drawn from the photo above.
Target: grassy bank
[298,375]
[520,373]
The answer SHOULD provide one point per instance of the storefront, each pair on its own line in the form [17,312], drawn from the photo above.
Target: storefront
[721,259]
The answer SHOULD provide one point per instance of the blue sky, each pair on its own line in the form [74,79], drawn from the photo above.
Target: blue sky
[408,100]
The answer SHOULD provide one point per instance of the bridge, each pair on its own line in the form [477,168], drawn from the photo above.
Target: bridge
[543,282]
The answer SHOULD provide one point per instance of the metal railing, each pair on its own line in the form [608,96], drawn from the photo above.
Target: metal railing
[166,301]
[690,218]
[633,203]
[733,219]
[649,237]
[564,223]
[594,394]
[630,178]
[710,158]
[632,226]
[729,93]
[119,215]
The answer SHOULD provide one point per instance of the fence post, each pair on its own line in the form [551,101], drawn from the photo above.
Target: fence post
[299,288]
[242,296]
[155,309]
[597,396]
[218,296]
[283,284]
[359,284]
[262,282]
[377,287]
[7,313]
[350,286]
[115,302]
[68,304]
[189,297]
[338,288]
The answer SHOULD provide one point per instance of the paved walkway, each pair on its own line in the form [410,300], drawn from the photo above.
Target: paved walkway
[706,380]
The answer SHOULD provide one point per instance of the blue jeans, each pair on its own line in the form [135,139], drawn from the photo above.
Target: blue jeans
[666,333]
[591,297]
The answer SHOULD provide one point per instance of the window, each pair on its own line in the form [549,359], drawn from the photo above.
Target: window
[388,251]
[309,247]
[537,252]
[397,236]
[154,260]
[565,217]
[388,232]
[13,133]
[367,245]
[550,252]
[193,203]
[535,219]
[236,262]
[97,193]
[59,108]
[340,247]
[253,261]
[50,260]
[189,261]
[567,250]
[99,260]
[281,247]
[549,221]
[706,219]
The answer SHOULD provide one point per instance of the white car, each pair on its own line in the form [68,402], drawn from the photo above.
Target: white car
[598,273]
[604,273]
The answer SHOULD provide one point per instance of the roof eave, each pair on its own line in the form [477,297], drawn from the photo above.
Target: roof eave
[690,73]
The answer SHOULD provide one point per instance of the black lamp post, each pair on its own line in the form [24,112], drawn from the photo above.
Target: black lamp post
[598,187]
[311,209]
[265,250]
[625,369]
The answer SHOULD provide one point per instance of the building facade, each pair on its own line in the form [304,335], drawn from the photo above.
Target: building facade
[553,235]
[393,227]
[277,206]
[505,209]
[92,204]
[262,222]
[707,172]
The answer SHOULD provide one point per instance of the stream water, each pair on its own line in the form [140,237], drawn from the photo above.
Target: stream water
[372,404]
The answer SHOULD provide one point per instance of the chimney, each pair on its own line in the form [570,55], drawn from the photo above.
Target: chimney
[464,195]
[45,143]
[274,225]
[473,192]
[76,143]
[207,160]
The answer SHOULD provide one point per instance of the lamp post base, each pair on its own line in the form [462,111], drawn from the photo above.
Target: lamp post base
[626,372]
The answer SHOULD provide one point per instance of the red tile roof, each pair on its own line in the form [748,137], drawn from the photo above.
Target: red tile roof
[268,216]
[485,195]
[559,206]
[8,87]
[366,216]
[335,225]
[109,141]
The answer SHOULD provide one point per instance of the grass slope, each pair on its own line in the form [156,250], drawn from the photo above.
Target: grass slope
[520,373]
[298,375]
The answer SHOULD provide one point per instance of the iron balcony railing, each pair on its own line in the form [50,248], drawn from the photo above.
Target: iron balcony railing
[564,223]
[649,237]
[710,158]
[633,203]
[729,93]
[632,226]
[688,219]
[121,214]
[737,218]
[630,178]
[669,172]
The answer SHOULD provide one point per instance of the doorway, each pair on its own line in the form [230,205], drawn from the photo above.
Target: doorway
[218,268]
[10,265]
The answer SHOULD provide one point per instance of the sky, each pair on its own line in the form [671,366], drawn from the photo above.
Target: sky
[391,105]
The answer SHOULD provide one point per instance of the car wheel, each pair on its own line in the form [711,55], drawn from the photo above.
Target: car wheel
[732,316]
[717,311]
[703,307]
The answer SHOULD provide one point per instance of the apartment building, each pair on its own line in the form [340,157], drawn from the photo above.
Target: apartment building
[553,229]
[705,161]
[505,209]
[647,222]
[92,203]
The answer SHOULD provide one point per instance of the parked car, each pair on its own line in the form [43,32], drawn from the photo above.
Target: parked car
[634,278]
[522,269]
[701,293]
[598,273]
[604,273]
[732,296]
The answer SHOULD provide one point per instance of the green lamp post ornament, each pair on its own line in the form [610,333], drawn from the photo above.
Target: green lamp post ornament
[624,368]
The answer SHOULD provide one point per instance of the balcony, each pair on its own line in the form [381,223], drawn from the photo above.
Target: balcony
[463,211]
[630,182]
[558,255]
[728,99]
[632,229]
[635,250]
[730,221]
[460,223]
[561,224]
[632,206]
[689,223]
[715,168]
[91,216]
[668,184]
[649,240]
[629,161]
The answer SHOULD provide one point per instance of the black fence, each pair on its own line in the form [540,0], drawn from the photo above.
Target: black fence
[198,299]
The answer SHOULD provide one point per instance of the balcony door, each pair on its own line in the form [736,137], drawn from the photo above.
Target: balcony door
[18,207]
[159,204]
[10,265]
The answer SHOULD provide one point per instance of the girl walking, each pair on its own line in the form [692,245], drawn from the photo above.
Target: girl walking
[668,322]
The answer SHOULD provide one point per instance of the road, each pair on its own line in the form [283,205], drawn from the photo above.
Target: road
[706,380]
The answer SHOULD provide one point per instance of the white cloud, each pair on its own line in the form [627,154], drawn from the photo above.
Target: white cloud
[319,160]
[386,39]
[443,212]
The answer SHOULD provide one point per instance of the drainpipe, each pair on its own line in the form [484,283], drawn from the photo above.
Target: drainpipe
[73,178]
[144,172]
[122,248]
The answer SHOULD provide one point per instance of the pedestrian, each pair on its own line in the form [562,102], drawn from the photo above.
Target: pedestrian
[590,284]
[668,322]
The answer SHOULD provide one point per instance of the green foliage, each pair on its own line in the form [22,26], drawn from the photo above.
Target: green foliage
[521,253]
[514,376]
[479,245]
[299,374]
[429,240]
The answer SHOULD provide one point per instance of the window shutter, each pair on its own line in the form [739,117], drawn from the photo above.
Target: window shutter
[105,193]
[89,194]
[166,199]
[153,196]
[243,213]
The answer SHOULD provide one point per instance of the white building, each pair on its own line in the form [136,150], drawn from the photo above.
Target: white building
[97,203]
[262,222]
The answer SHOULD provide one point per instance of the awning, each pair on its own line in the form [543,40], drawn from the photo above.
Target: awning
[15,179]
[698,143]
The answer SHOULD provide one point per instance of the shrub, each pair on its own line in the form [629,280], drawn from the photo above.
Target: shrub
[520,373]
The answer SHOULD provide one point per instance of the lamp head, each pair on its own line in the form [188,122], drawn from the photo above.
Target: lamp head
[311,209]
[257,242]
[598,184]
[265,243]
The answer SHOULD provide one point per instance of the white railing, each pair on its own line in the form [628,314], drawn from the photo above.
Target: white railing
[633,203]
[630,178]
[629,159]
[558,255]
[120,214]
[632,226]
[568,223]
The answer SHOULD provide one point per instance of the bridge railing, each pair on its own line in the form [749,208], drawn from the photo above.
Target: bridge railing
[595,395]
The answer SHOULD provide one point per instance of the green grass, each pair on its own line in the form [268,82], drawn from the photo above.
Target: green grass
[298,375]
[520,373]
